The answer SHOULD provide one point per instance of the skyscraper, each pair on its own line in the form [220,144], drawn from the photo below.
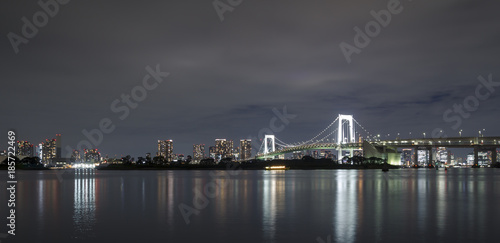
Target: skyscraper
[223,148]
[423,157]
[92,155]
[166,149]
[443,155]
[198,152]
[406,157]
[25,148]
[245,149]
[48,150]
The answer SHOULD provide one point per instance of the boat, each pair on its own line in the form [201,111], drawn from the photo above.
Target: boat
[56,167]
[277,167]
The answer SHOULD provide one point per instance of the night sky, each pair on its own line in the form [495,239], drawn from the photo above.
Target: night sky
[227,76]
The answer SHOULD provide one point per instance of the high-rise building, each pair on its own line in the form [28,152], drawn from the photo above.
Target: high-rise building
[443,155]
[39,151]
[483,158]
[92,155]
[423,157]
[470,159]
[166,149]
[51,149]
[245,149]
[25,148]
[223,148]
[406,157]
[48,150]
[198,152]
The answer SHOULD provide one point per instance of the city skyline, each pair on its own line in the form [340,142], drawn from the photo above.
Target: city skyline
[250,121]
[223,148]
[228,79]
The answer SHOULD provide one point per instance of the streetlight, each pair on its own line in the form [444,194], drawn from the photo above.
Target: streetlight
[484,130]
[479,133]
[460,132]
[424,134]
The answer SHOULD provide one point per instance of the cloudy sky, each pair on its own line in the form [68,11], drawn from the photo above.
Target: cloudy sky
[227,76]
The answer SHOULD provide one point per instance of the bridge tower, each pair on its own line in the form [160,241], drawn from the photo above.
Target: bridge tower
[345,133]
[269,144]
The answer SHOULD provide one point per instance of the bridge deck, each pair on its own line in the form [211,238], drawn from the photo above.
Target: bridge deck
[452,142]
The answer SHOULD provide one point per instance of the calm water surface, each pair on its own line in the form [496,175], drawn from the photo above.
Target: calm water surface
[458,205]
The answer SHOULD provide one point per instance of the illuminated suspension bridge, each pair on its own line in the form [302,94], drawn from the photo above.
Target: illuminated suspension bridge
[341,135]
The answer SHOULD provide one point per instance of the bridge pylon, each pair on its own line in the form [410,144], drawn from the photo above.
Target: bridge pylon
[345,134]
[269,144]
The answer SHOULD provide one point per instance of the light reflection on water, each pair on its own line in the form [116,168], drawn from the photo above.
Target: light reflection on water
[84,203]
[458,205]
[273,202]
[345,212]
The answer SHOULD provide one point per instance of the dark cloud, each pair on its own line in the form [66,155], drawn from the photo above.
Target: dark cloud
[225,77]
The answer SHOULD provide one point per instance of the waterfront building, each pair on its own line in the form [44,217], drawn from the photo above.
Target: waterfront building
[92,155]
[25,148]
[166,149]
[245,149]
[198,152]
[407,157]
[223,149]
